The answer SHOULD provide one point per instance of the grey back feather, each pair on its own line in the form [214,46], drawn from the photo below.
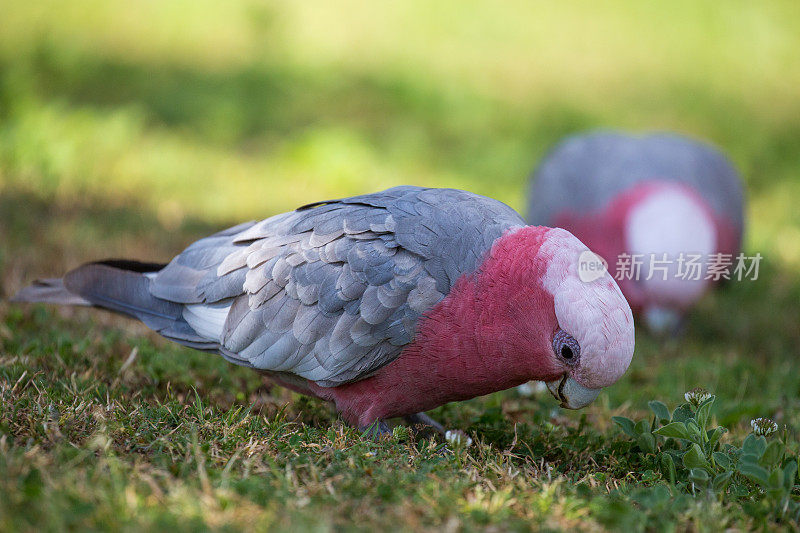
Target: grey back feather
[584,172]
[334,290]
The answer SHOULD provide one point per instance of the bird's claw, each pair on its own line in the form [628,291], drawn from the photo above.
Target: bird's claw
[426,421]
[376,430]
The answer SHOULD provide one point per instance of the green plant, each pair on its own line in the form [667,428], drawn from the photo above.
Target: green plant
[686,448]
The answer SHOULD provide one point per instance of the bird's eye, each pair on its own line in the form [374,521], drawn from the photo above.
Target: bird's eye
[566,352]
[566,347]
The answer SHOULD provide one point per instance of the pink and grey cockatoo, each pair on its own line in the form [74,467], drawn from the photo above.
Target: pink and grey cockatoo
[632,199]
[388,304]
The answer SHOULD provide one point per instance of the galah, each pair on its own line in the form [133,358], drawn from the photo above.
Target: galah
[658,208]
[387,304]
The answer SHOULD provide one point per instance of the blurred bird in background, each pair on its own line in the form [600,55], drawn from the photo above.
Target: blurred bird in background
[657,208]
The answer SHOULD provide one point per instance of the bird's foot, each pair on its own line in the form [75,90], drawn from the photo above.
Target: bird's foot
[376,430]
[379,429]
[455,437]
[422,419]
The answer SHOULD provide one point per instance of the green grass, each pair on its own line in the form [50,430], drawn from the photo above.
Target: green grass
[131,129]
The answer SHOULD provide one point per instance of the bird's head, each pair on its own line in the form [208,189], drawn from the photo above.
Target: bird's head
[561,313]
[672,232]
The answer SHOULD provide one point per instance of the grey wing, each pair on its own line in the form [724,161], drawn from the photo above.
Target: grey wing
[450,228]
[327,293]
[578,174]
[703,167]
[584,172]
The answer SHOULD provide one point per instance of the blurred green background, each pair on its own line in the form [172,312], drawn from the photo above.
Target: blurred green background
[225,111]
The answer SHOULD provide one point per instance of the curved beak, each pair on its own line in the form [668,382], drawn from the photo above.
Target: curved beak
[570,393]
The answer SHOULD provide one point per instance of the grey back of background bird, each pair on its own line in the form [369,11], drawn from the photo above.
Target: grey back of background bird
[332,291]
[584,172]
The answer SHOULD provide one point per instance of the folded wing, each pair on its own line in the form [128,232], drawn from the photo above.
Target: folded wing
[333,291]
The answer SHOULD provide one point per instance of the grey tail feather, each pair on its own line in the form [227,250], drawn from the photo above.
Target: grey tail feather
[50,290]
[123,287]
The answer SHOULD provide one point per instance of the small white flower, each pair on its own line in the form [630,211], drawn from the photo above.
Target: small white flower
[763,426]
[697,395]
[457,438]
